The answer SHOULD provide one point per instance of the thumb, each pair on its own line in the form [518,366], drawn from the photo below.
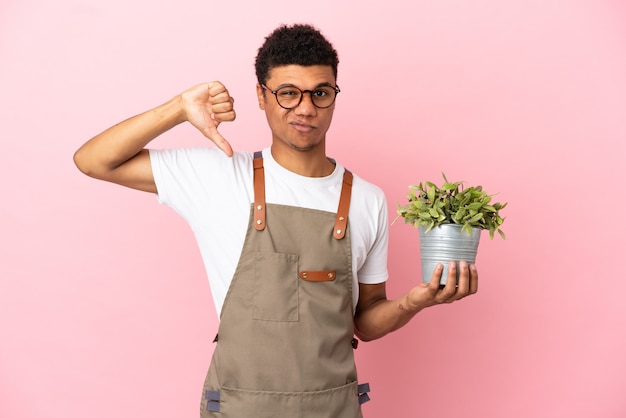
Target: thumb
[212,133]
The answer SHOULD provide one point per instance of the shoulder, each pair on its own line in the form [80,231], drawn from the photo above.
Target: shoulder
[368,209]
[365,191]
[199,155]
[198,162]
[190,170]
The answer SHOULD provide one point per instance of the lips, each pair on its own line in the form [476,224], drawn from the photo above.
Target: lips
[302,127]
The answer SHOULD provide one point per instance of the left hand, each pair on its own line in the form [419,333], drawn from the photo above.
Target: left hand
[429,294]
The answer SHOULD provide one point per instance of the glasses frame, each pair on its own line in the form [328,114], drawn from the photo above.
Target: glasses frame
[302,92]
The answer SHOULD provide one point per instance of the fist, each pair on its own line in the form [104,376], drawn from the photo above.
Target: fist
[206,106]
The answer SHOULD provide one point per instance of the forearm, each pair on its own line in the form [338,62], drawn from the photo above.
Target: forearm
[376,316]
[108,150]
[382,317]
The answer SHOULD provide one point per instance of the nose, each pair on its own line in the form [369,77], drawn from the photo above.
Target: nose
[306,106]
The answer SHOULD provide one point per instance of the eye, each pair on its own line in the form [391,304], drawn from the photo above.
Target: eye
[321,92]
[289,92]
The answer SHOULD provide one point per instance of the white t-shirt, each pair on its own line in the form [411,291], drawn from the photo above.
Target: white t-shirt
[213,193]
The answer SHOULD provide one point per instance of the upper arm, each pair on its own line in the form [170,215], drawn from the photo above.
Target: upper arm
[135,173]
[369,296]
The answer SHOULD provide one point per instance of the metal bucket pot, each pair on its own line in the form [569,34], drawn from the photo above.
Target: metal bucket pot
[446,243]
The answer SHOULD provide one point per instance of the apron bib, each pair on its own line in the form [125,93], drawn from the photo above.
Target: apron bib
[285,345]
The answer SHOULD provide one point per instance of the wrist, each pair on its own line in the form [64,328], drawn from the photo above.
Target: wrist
[176,110]
[407,306]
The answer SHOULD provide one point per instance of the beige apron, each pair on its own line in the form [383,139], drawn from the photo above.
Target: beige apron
[285,346]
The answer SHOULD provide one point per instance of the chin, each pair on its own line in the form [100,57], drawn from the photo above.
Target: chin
[303,148]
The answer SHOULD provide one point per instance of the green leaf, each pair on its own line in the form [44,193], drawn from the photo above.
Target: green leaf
[475,218]
[450,186]
[432,193]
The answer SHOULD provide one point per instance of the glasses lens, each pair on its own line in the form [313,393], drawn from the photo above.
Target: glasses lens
[323,97]
[288,97]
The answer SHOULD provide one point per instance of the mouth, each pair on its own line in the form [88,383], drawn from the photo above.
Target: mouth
[302,127]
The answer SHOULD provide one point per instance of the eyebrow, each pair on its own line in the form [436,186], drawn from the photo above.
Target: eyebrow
[325,84]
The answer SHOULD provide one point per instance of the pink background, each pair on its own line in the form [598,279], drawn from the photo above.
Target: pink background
[105,310]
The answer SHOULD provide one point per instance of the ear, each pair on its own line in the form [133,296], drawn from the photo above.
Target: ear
[260,96]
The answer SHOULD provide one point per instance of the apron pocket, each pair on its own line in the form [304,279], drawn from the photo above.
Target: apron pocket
[341,402]
[275,296]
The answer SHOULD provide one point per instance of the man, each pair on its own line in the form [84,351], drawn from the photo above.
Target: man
[295,246]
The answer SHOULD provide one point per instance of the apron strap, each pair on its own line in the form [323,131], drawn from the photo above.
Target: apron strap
[341,221]
[259,192]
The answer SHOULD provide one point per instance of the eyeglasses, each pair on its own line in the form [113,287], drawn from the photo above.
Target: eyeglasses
[290,97]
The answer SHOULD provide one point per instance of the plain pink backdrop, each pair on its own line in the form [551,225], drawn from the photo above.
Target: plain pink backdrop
[105,309]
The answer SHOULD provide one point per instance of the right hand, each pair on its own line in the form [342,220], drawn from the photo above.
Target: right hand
[206,106]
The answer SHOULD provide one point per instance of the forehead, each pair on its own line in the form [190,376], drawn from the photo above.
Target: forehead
[301,76]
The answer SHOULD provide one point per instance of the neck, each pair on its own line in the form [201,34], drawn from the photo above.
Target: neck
[308,163]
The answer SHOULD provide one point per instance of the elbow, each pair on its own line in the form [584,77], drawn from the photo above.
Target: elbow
[81,163]
[365,337]
[78,162]
[89,166]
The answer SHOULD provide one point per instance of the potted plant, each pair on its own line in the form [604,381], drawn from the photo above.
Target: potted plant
[450,219]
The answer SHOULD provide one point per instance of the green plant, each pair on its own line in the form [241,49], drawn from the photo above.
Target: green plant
[431,206]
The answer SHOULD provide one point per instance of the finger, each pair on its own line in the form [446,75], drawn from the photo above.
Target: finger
[219,95]
[449,290]
[435,279]
[463,285]
[221,99]
[216,88]
[221,106]
[224,110]
[227,116]
[218,140]
[473,287]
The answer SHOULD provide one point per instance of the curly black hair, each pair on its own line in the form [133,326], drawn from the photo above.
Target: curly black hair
[300,44]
